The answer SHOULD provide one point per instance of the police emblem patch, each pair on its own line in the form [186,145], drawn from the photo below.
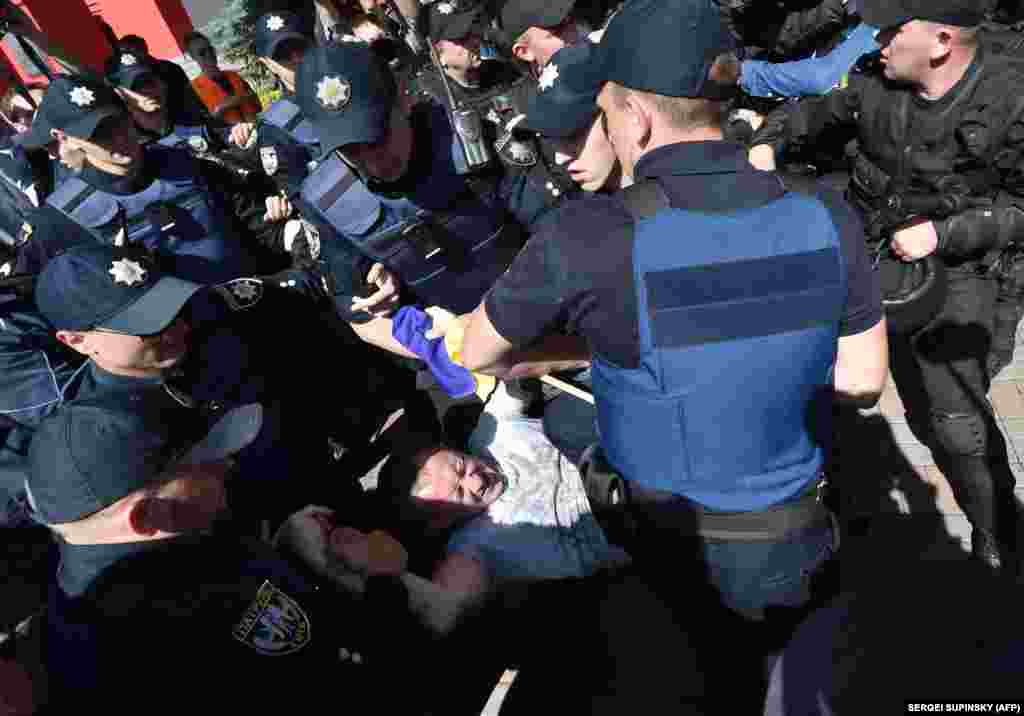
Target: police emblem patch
[275,23]
[82,96]
[128,60]
[333,93]
[268,156]
[26,233]
[241,293]
[520,154]
[127,272]
[274,624]
[548,76]
[5,270]
[198,144]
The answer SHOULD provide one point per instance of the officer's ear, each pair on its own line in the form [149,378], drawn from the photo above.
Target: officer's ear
[521,49]
[75,340]
[944,41]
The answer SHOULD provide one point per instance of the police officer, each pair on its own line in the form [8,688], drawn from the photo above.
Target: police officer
[155,196]
[713,387]
[195,131]
[498,93]
[534,31]
[399,193]
[940,142]
[155,584]
[242,342]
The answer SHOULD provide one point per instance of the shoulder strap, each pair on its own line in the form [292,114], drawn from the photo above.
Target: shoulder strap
[645,199]
[71,194]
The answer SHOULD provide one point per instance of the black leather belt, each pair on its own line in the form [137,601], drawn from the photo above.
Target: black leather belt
[632,510]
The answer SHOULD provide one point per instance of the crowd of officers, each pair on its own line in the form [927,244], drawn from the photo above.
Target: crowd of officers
[212,313]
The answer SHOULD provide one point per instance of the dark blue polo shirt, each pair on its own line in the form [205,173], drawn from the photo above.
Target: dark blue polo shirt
[577,275]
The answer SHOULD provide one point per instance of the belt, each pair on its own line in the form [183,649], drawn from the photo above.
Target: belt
[643,511]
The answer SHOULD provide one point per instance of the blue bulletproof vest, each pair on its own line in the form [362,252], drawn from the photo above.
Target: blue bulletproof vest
[739,316]
[446,244]
[176,214]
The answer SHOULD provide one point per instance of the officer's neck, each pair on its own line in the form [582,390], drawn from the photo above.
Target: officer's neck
[665,136]
[946,76]
[106,373]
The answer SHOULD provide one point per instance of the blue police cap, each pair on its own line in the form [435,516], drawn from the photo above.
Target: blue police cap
[451,19]
[518,16]
[118,289]
[130,69]
[666,47]
[566,100]
[75,104]
[90,454]
[347,92]
[273,28]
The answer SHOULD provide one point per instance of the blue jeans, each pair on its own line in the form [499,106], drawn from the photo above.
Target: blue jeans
[754,577]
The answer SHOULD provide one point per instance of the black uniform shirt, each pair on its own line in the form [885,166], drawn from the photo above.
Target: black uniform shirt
[578,274]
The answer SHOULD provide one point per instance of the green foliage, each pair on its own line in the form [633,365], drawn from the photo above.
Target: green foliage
[231,32]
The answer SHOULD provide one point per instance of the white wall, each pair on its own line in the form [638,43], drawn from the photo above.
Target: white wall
[202,11]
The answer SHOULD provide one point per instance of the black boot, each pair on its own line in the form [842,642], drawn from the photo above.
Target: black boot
[985,549]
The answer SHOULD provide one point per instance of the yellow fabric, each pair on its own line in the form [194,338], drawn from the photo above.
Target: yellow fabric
[453,340]
[212,95]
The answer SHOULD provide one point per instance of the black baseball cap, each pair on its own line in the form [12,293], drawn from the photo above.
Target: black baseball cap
[74,104]
[130,69]
[518,16]
[92,453]
[566,100]
[889,13]
[347,92]
[273,28]
[451,19]
[666,47]
[116,288]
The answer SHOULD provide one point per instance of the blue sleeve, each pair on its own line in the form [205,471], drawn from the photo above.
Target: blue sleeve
[809,77]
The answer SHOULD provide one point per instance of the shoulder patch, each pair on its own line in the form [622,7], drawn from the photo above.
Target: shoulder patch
[25,233]
[241,293]
[274,624]
[519,154]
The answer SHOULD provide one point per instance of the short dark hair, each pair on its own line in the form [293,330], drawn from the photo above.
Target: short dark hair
[399,475]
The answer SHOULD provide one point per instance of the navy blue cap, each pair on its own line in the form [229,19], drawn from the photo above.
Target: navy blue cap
[518,16]
[451,19]
[75,104]
[566,101]
[889,13]
[347,92]
[91,453]
[129,69]
[273,28]
[666,47]
[119,289]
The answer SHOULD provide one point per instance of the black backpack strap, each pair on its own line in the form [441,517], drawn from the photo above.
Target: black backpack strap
[645,199]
